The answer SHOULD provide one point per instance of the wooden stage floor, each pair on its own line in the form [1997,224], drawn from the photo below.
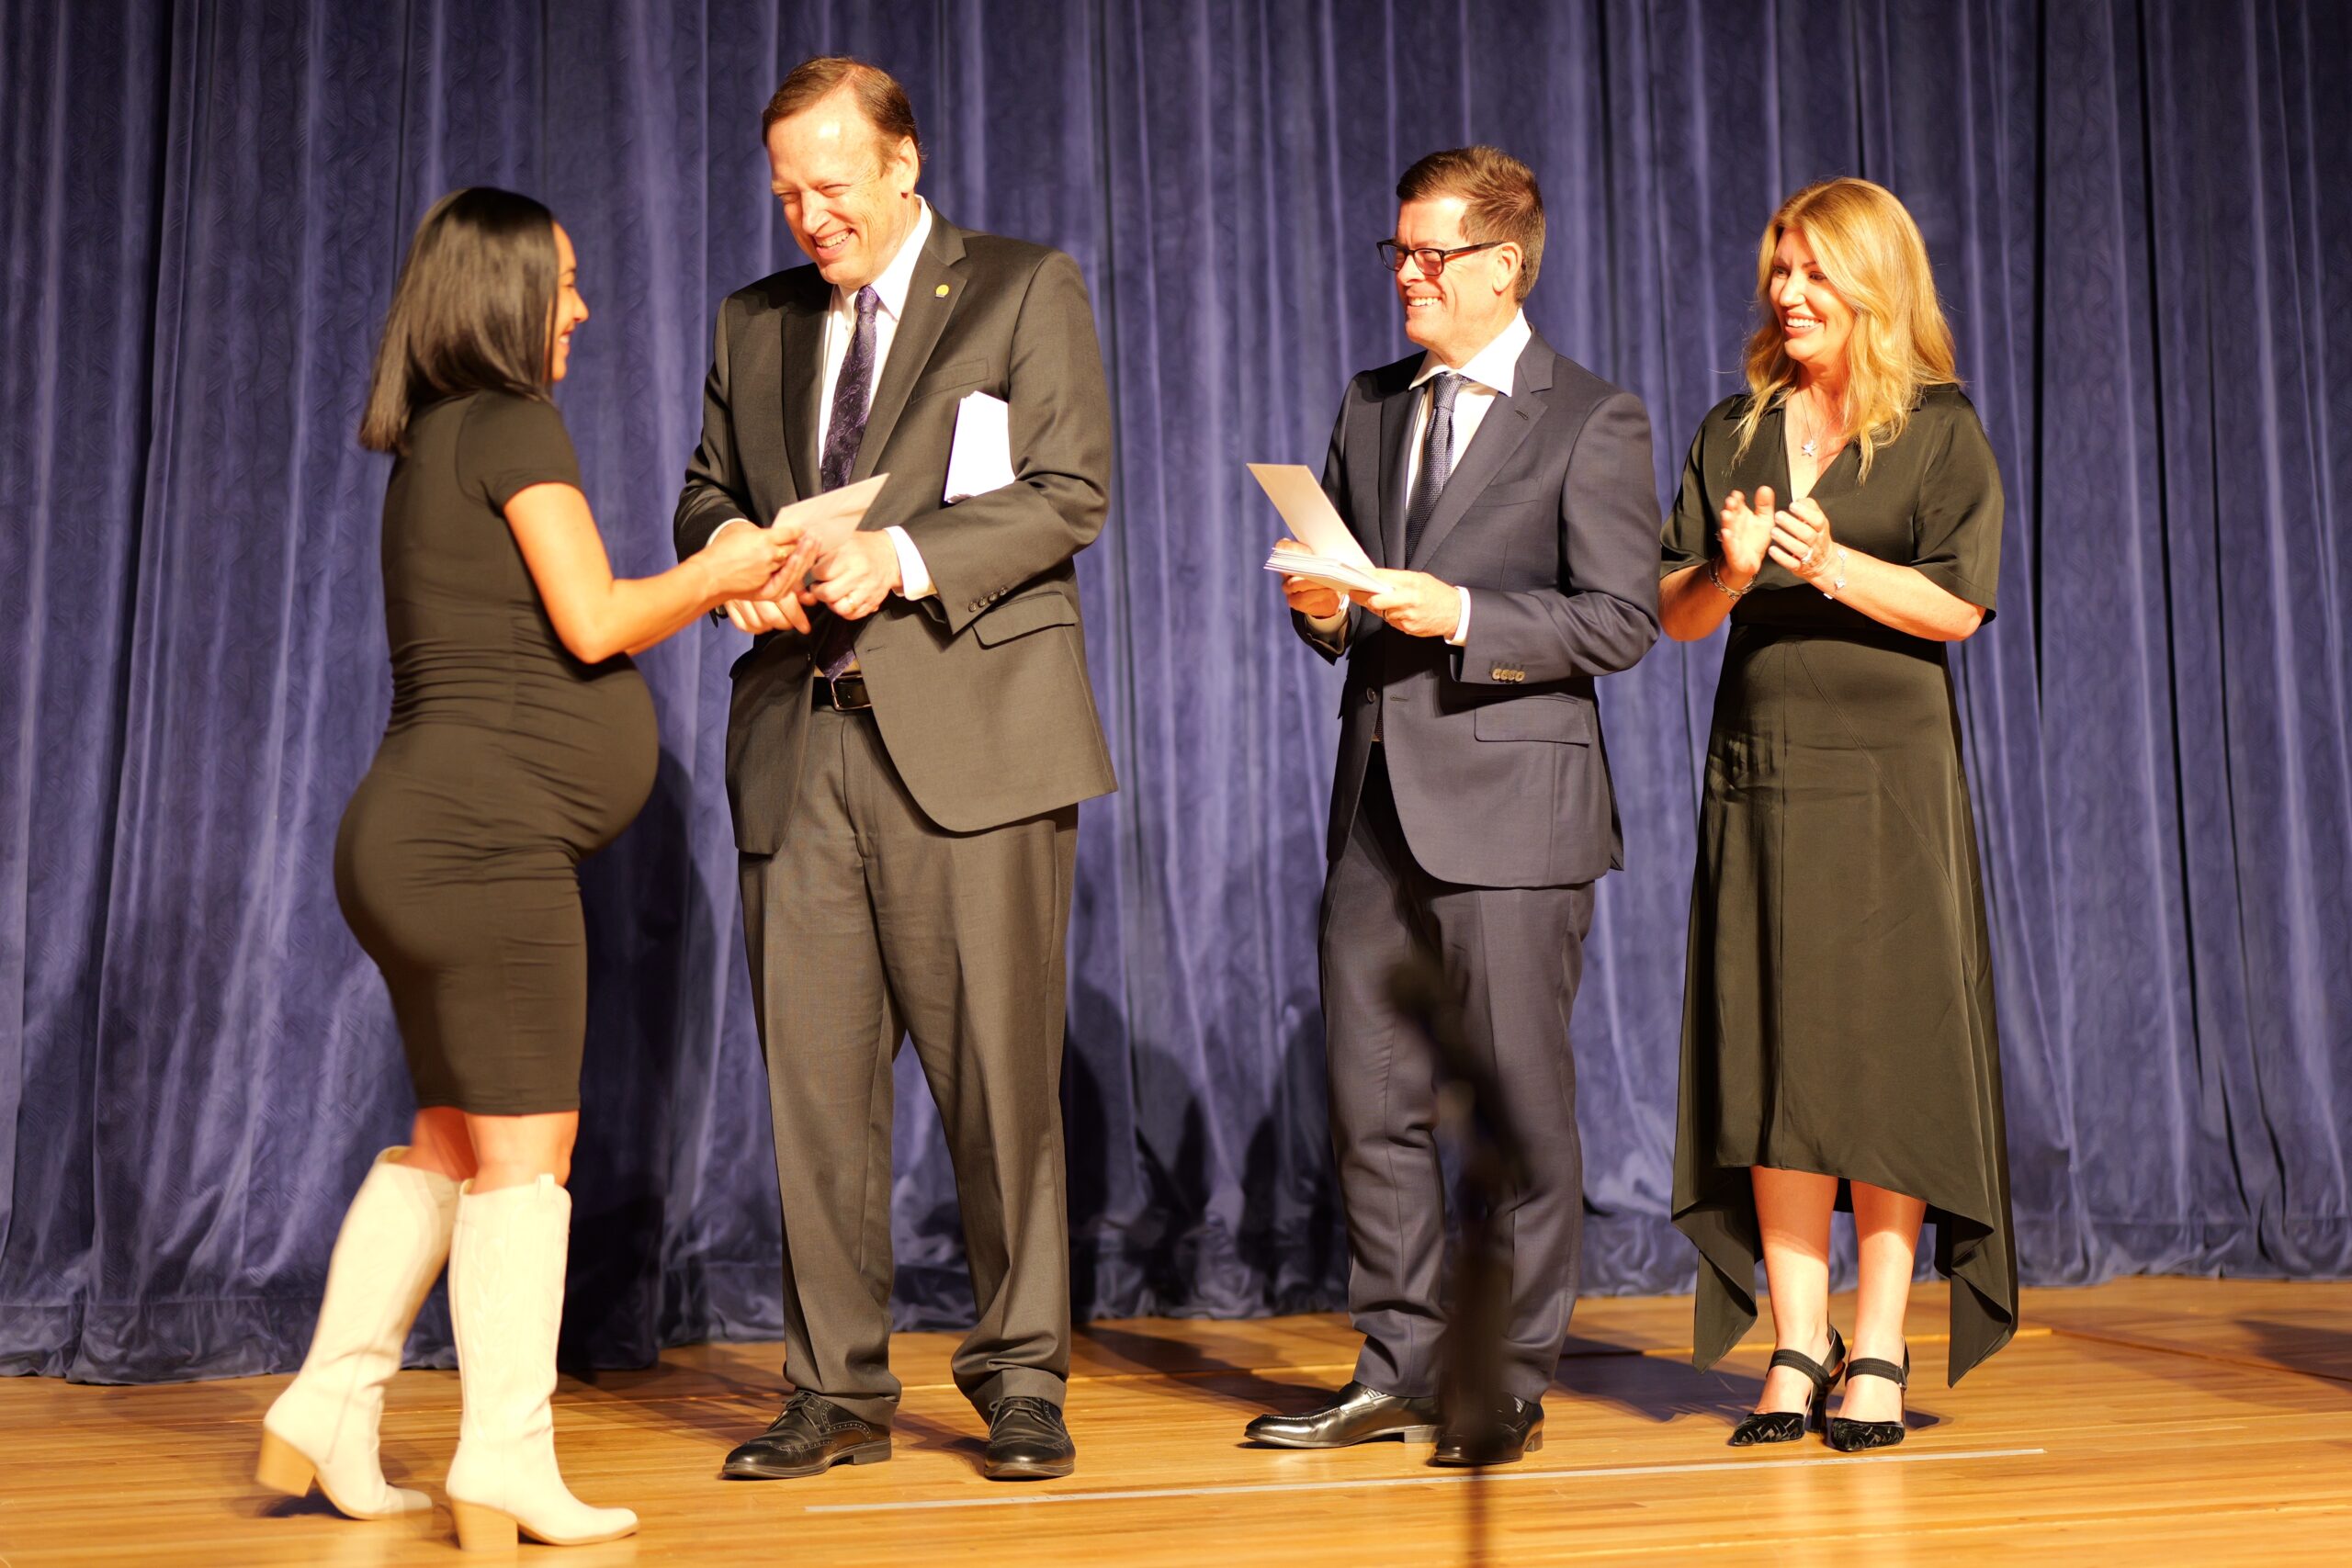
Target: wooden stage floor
[2144,1420]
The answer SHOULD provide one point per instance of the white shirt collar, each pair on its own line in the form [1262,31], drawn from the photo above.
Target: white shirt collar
[899,276]
[1496,365]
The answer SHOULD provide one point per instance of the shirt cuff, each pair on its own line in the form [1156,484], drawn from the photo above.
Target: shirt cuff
[914,578]
[1461,637]
[722,528]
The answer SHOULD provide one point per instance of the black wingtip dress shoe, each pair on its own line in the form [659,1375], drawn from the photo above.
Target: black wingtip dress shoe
[811,1434]
[1027,1440]
[1357,1416]
[1507,1435]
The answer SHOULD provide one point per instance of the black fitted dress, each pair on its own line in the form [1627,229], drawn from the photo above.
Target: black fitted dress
[506,761]
[1837,1012]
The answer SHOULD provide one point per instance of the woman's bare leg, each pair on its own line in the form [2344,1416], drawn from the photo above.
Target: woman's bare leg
[1887,1234]
[439,1143]
[1793,1211]
[511,1151]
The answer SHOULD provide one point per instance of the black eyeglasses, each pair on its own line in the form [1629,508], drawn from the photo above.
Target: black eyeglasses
[1429,258]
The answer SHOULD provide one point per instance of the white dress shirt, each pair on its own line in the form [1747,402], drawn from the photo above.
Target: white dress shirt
[1490,373]
[841,327]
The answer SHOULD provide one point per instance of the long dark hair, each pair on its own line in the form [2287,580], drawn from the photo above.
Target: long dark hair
[472,312]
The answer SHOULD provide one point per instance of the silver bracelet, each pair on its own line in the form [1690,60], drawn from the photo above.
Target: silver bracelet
[1837,575]
[1716,578]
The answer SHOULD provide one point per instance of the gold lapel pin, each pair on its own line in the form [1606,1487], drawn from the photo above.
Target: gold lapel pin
[940,292]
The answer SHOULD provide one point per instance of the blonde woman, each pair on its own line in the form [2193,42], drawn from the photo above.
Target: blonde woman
[1844,514]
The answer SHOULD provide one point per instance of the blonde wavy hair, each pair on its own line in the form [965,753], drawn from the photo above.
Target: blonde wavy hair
[1871,252]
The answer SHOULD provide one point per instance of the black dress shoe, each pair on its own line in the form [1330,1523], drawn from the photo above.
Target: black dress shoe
[1788,1425]
[1357,1416]
[1512,1432]
[1858,1437]
[1027,1440]
[810,1435]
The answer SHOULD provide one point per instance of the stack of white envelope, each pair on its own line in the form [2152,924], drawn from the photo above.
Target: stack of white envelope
[1332,556]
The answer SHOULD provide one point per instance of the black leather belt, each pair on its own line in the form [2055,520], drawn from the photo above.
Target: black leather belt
[843,694]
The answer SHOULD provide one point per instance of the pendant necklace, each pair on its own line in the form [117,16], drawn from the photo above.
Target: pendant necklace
[1810,445]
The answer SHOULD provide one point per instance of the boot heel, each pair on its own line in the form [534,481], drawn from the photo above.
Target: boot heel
[1535,1440]
[282,1468]
[1417,1434]
[871,1453]
[483,1530]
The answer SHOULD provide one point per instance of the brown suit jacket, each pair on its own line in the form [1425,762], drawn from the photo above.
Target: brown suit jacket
[981,691]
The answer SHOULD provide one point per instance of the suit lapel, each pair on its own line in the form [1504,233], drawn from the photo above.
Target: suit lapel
[1395,425]
[922,321]
[1506,425]
[802,379]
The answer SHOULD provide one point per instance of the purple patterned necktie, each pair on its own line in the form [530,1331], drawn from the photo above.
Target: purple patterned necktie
[852,389]
[1437,459]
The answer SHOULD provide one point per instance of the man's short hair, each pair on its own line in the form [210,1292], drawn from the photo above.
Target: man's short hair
[879,97]
[1504,202]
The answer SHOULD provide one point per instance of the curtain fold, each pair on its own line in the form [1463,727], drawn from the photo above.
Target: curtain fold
[2137,212]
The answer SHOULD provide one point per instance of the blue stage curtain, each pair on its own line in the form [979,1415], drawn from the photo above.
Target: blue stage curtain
[2139,217]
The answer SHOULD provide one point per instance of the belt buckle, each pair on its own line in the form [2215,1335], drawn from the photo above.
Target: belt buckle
[833,693]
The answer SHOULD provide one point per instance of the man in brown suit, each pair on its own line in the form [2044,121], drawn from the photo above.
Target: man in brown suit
[906,745]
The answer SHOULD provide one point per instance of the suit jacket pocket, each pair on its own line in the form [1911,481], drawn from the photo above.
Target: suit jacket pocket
[1540,718]
[1019,617]
[963,375]
[1515,495]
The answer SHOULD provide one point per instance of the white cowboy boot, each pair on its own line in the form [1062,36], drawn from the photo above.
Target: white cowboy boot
[506,1302]
[393,1240]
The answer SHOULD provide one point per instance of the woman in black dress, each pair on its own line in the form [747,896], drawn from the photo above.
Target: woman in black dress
[1838,1037]
[521,738]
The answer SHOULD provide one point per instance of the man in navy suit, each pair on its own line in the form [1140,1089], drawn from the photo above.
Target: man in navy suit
[1507,494]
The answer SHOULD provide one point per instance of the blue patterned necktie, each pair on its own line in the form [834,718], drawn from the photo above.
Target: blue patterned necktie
[1437,459]
[853,391]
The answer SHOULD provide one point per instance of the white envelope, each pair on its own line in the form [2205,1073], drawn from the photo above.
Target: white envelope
[829,518]
[981,457]
[1332,555]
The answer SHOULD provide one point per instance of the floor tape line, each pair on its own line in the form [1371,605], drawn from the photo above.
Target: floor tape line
[1618,1472]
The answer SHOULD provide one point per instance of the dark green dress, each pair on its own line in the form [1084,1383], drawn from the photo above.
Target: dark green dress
[1838,1014]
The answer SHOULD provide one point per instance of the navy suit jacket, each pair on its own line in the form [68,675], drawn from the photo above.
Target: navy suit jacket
[1550,519]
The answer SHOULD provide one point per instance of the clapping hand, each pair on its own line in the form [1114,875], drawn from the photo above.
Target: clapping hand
[1746,534]
[1802,540]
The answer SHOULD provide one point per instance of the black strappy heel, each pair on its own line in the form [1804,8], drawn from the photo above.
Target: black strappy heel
[1858,1437]
[1788,1425]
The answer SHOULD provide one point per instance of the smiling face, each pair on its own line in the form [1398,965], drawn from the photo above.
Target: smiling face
[1471,300]
[571,309]
[1816,321]
[848,197]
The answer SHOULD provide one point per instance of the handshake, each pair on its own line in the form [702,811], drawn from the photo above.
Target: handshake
[766,579]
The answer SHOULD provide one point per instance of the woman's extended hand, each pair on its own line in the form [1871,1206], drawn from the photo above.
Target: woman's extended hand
[744,562]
